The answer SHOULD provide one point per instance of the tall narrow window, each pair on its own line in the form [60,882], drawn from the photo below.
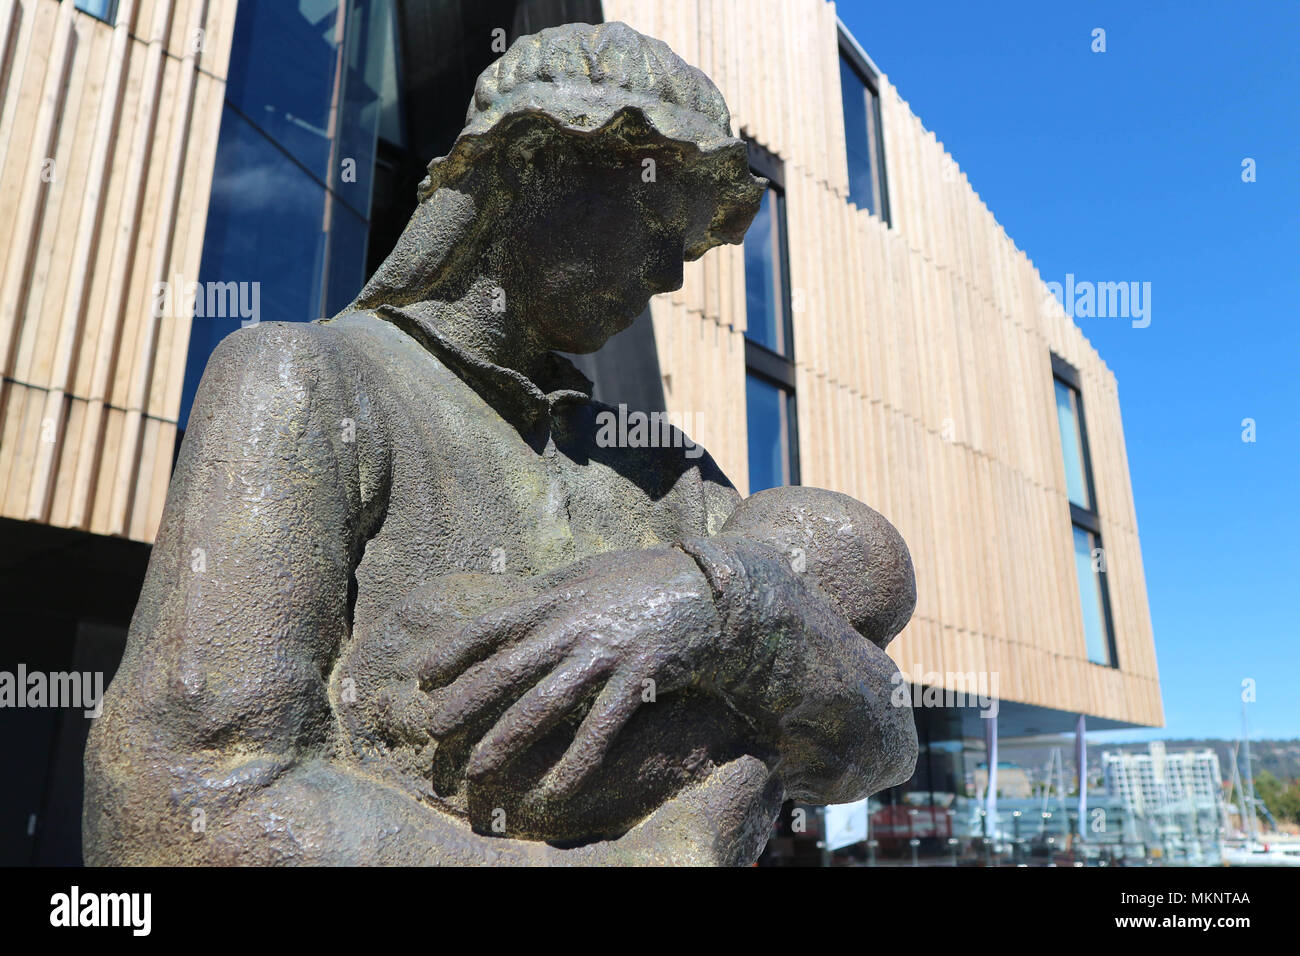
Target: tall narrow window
[1088,558]
[768,408]
[863,136]
[1089,554]
[1067,416]
[769,346]
[764,305]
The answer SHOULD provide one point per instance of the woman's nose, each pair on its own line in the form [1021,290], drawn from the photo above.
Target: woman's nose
[664,273]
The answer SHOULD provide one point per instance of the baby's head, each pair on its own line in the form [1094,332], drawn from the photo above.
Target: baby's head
[857,557]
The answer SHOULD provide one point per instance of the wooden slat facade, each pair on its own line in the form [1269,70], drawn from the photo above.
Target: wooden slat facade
[923,349]
[923,371]
[108,134]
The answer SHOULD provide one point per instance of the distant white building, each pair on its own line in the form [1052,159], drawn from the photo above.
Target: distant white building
[1177,797]
[1156,781]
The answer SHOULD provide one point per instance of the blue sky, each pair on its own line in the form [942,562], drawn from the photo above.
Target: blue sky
[1127,165]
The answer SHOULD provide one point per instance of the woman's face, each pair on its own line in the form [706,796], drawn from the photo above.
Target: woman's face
[598,238]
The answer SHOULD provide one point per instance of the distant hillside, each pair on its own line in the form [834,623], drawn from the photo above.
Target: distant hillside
[1279,757]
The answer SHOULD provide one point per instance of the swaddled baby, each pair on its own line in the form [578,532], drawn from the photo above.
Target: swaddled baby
[852,563]
[852,553]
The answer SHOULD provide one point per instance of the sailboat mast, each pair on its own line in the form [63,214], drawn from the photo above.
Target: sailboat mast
[1250,777]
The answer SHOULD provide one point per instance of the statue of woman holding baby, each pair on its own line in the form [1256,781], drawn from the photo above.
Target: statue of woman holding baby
[403,608]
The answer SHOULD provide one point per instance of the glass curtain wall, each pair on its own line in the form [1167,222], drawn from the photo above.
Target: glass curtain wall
[308,84]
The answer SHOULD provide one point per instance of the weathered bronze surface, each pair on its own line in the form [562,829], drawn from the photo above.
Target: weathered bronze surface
[404,607]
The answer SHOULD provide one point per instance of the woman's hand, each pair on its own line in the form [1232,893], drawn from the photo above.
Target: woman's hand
[620,628]
[593,643]
[818,693]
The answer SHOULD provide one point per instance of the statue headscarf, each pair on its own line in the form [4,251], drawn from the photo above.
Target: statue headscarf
[606,86]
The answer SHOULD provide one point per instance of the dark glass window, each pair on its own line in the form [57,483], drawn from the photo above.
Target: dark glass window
[105,10]
[1089,554]
[769,340]
[267,221]
[863,137]
[768,408]
[1087,549]
[765,313]
[442,46]
[284,61]
[1067,416]
[295,163]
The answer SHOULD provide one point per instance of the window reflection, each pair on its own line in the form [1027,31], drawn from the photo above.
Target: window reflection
[1067,416]
[283,74]
[105,10]
[769,346]
[939,817]
[345,264]
[769,446]
[295,161]
[1089,554]
[862,140]
[764,290]
[369,100]
[266,222]
[1086,560]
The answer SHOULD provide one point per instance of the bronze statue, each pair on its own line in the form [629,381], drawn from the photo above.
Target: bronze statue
[405,608]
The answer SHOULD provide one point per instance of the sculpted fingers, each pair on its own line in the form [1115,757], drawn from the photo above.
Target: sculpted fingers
[613,708]
[483,689]
[481,637]
[533,715]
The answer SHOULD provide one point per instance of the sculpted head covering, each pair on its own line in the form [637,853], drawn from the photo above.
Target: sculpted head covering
[609,83]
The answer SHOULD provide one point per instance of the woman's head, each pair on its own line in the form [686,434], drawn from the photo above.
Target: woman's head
[593,163]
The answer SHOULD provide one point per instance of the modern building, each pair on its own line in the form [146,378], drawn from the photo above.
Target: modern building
[1174,800]
[1157,779]
[170,169]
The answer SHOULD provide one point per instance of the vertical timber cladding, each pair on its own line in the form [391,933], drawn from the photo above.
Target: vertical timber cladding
[923,371]
[108,134]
